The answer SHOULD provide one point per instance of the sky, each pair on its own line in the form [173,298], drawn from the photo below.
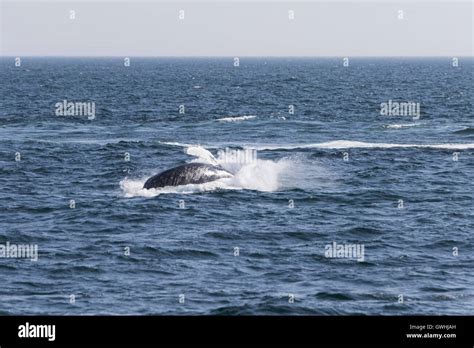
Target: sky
[236,28]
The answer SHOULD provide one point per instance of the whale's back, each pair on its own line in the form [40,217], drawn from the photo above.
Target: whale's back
[191,173]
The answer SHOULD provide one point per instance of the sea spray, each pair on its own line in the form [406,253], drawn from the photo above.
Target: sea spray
[258,175]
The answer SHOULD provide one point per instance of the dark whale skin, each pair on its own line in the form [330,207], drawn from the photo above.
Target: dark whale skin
[191,173]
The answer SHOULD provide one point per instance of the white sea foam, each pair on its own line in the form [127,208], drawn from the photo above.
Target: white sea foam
[236,118]
[347,144]
[336,144]
[174,143]
[402,125]
[134,188]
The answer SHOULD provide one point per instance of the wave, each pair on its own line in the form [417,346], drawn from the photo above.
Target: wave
[236,118]
[336,144]
[468,130]
[402,125]
[347,144]
[174,143]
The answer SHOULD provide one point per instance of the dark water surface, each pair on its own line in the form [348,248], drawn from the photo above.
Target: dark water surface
[190,250]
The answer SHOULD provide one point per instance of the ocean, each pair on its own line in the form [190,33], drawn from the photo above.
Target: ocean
[347,206]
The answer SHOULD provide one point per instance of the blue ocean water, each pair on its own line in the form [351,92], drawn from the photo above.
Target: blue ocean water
[334,171]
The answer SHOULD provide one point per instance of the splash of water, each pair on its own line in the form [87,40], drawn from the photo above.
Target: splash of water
[259,175]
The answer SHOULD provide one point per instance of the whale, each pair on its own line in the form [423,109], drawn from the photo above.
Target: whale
[190,173]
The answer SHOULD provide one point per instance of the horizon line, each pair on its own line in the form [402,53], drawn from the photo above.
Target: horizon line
[234,56]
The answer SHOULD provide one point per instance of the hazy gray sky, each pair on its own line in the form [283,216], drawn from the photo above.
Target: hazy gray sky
[236,28]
